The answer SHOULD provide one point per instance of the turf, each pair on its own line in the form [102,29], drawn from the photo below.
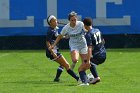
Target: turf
[29,71]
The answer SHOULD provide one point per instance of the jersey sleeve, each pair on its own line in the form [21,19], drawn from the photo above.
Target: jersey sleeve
[64,31]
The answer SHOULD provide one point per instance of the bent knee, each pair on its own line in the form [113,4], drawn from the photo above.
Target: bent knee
[74,60]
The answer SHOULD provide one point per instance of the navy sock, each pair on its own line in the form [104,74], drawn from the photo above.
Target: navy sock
[93,71]
[73,74]
[83,76]
[59,71]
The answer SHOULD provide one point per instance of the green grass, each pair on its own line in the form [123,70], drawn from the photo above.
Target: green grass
[31,72]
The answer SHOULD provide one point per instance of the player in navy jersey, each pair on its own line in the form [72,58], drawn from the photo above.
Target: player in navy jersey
[54,54]
[96,49]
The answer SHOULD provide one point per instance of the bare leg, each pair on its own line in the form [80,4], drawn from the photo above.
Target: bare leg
[83,67]
[75,57]
[62,61]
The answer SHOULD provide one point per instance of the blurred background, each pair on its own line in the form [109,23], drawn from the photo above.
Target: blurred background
[23,22]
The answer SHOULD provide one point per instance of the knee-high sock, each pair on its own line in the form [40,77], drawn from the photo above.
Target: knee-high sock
[59,71]
[94,71]
[83,76]
[73,74]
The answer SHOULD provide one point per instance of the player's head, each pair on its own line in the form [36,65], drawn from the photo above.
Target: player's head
[87,21]
[52,21]
[71,14]
[72,17]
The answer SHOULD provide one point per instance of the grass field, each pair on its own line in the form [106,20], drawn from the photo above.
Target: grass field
[27,71]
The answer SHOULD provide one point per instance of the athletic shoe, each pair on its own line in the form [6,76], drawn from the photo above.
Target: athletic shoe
[95,80]
[56,80]
[84,84]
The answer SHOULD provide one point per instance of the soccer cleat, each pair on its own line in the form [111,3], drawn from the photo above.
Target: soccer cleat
[84,84]
[56,80]
[95,80]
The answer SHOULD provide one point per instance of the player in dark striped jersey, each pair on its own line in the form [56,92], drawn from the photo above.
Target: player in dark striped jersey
[96,49]
[54,54]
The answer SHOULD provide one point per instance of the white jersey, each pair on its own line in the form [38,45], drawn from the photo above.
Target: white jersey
[77,39]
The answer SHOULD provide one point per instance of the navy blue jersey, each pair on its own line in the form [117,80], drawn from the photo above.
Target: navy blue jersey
[51,37]
[94,38]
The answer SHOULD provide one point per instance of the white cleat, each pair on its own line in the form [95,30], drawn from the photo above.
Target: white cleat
[95,80]
[84,84]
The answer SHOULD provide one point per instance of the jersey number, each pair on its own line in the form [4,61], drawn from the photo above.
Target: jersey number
[97,37]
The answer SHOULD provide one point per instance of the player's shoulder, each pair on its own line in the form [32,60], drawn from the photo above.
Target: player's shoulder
[79,23]
[96,29]
[49,30]
[66,26]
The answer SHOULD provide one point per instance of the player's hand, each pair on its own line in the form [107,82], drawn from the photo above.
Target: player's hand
[50,48]
[53,46]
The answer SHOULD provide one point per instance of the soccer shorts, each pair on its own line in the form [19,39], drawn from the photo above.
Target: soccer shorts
[97,59]
[50,56]
[80,50]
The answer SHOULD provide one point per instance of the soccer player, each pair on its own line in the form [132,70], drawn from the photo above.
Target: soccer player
[74,29]
[54,54]
[96,49]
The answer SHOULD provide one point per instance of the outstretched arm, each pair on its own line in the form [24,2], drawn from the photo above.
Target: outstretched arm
[51,50]
[56,41]
[54,54]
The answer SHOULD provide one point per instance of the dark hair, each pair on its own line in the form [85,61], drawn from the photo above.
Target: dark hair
[87,21]
[71,14]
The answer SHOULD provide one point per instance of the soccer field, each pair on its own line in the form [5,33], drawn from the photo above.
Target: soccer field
[29,71]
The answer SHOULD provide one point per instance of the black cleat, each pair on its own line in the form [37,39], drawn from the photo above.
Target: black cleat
[56,80]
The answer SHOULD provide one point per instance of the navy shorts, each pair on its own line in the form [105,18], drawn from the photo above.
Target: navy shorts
[98,59]
[50,56]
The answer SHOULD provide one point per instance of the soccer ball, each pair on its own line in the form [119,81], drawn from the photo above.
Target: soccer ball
[90,77]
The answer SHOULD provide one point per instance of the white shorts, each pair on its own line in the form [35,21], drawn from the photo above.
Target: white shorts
[79,44]
[81,51]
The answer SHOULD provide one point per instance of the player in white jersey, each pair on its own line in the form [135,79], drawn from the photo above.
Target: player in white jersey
[77,40]
[75,30]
